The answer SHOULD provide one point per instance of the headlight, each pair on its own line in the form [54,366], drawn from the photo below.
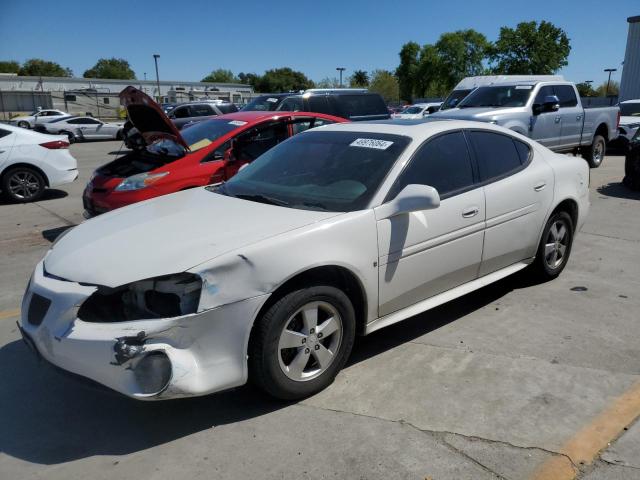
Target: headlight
[137,182]
[160,297]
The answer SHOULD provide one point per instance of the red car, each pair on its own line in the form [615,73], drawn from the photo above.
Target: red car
[206,152]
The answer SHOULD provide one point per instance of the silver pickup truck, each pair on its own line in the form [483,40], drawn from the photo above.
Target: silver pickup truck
[548,112]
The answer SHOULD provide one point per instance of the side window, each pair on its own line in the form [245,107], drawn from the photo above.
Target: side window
[496,153]
[300,125]
[181,112]
[218,153]
[254,143]
[544,92]
[523,151]
[318,103]
[201,110]
[75,121]
[567,95]
[291,104]
[443,163]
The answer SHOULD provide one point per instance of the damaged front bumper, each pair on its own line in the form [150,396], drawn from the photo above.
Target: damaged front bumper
[164,358]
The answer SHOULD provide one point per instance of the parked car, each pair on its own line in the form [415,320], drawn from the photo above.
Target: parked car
[629,120]
[37,117]
[549,112]
[31,161]
[339,230]
[632,163]
[83,128]
[208,152]
[192,112]
[469,84]
[353,104]
[418,110]
[265,103]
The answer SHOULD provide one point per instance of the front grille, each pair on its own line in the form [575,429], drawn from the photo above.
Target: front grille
[37,309]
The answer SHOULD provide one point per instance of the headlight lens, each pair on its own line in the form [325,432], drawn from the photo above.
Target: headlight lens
[137,182]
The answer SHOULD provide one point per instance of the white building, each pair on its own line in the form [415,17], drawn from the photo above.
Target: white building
[630,81]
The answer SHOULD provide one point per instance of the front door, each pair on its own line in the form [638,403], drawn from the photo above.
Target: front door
[251,144]
[428,252]
[545,127]
[571,117]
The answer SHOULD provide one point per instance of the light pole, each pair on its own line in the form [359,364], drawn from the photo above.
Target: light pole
[340,69]
[610,70]
[155,58]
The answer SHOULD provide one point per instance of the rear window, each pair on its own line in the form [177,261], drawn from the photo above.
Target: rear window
[227,107]
[264,103]
[350,106]
[204,133]
[202,110]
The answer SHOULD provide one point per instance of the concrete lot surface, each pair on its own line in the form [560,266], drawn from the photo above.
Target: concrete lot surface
[516,381]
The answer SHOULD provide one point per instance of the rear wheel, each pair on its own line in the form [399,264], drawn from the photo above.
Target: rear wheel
[70,136]
[595,153]
[555,246]
[23,184]
[24,124]
[302,341]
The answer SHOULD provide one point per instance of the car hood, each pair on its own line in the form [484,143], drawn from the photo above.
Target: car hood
[148,117]
[408,116]
[168,234]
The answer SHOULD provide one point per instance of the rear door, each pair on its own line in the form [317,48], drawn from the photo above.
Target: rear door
[571,117]
[89,127]
[518,188]
[7,138]
[545,127]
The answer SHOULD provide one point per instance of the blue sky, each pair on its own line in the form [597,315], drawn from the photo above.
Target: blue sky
[195,37]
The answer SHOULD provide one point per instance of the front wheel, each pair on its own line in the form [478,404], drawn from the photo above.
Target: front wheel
[555,246]
[70,136]
[302,341]
[595,153]
[23,184]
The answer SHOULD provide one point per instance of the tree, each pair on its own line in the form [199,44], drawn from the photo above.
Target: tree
[36,67]
[614,89]
[407,70]
[283,80]
[462,53]
[111,68]
[430,80]
[386,84]
[530,49]
[585,90]
[9,66]
[249,78]
[328,82]
[359,79]
[220,76]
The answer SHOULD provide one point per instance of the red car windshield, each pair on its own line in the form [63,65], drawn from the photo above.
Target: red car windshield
[204,133]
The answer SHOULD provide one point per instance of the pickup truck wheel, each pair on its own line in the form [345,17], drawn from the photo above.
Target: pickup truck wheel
[301,343]
[595,153]
[555,247]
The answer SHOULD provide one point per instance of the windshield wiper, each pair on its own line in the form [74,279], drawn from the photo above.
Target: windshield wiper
[263,199]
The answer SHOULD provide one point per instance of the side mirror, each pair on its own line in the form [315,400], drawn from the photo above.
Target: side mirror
[551,103]
[411,198]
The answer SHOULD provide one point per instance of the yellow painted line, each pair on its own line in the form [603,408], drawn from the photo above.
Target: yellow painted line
[585,445]
[9,313]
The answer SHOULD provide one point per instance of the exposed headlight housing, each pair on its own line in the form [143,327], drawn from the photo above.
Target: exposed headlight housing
[139,181]
[160,297]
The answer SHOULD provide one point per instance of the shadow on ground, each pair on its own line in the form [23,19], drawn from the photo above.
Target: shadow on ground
[48,418]
[618,190]
[53,233]
[48,194]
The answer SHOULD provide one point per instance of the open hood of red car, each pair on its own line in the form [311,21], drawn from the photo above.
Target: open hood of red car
[147,116]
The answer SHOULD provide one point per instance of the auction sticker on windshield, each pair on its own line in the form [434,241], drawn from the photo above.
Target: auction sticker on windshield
[237,123]
[524,87]
[272,100]
[371,143]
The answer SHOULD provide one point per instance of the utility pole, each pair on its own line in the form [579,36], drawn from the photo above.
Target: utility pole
[610,70]
[340,69]
[155,58]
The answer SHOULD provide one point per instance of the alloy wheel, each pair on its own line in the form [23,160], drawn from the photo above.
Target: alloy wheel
[24,185]
[556,244]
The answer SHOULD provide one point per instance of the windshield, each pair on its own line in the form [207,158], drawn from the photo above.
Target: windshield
[201,134]
[164,147]
[413,110]
[454,98]
[335,171]
[630,109]
[264,103]
[498,96]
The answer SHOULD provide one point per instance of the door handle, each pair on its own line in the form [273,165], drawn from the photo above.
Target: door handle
[579,117]
[540,187]
[2,151]
[557,119]
[470,212]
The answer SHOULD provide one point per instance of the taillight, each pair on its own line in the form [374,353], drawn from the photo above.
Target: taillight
[55,144]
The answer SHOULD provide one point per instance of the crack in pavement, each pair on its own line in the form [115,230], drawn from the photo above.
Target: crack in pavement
[609,236]
[60,217]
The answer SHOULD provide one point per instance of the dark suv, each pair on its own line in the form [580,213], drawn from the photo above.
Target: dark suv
[197,111]
[265,103]
[355,105]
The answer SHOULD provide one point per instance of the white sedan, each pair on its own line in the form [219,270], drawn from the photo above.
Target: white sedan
[39,117]
[341,230]
[30,162]
[84,128]
[417,111]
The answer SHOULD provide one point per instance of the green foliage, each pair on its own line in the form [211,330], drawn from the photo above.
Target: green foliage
[359,79]
[386,84]
[9,66]
[461,54]
[283,80]
[407,70]
[585,90]
[614,89]
[221,76]
[530,49]
[328,82]
[248,78]
[37,67]
[117,68]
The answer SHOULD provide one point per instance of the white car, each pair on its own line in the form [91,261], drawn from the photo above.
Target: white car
[31,161]
[417,111]
[37,118]
[84,128]
[340,230]
[629,119]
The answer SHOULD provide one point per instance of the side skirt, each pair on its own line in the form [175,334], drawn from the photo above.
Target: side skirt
[444,297]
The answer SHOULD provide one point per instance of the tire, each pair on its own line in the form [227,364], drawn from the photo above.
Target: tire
[70,136]
[295,372]
[119,135]
[555,247]
[23,184]
[632,169]
[596,152]
[24,124]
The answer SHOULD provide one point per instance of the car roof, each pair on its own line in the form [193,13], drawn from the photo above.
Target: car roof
[635,100]
[258,115]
